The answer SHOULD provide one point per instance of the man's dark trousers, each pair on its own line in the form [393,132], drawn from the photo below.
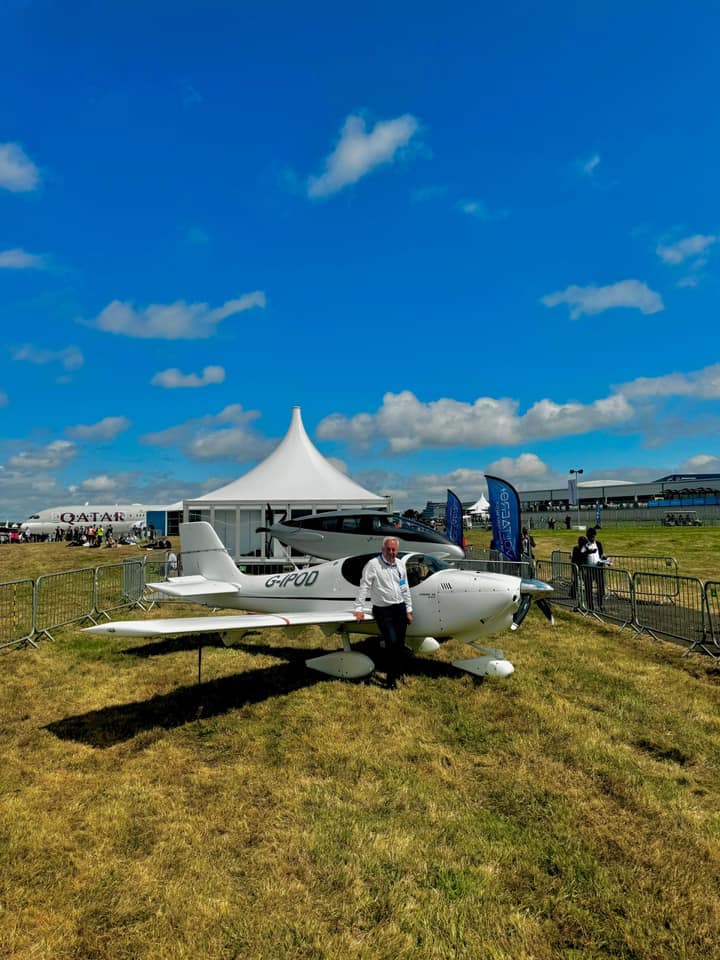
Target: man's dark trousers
[392,624]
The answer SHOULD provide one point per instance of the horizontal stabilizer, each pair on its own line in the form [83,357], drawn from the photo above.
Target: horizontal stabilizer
[190,587]
[180,626]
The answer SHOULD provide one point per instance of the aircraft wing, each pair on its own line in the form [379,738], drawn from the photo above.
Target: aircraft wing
[240,623]
[190,587]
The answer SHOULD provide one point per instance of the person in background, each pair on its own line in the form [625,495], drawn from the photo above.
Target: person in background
[527,544]
[594,560]
[384,580]
[578,560]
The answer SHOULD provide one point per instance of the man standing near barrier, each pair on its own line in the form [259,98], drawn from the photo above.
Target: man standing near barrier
[594,559]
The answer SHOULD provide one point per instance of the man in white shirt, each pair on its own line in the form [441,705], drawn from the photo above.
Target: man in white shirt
[594,559]
[384,580]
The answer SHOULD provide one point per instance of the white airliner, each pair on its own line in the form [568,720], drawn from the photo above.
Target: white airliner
[447,603]
[341,533]
[122,517]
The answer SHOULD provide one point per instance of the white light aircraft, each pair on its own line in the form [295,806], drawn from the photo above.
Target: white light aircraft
[340,533]
[122,518]
[447,603]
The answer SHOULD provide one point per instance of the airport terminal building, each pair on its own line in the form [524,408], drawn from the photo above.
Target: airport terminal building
[617,501]
[674,490]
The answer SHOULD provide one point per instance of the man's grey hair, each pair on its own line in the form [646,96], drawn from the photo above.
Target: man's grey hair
[388,540]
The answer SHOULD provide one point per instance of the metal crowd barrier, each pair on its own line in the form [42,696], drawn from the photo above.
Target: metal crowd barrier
[712,599]
[633,563]
[641,564]
[674,607]
[16,613]
[680,608]
[511,568]
[118,585]
[29,609]
[659,603]
[62,598]
[562,577]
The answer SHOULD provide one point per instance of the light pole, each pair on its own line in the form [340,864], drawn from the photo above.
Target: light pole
[576,474]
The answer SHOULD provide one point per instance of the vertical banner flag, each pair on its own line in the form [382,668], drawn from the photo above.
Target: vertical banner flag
[505,517]
[598,513]
[572,492]
[453,519]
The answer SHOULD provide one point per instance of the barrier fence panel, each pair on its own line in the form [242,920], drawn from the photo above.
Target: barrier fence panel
[672,606]
[609,593]
[511,568]
[563,578]
[118,585]
[156,568]
[16,613]
[712,600]
[632,563]
[646,564]
[61,598]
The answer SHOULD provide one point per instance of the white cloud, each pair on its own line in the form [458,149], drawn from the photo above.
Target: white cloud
[590,300]
[99,486]
[478,209]
[703,384]
[50,457]
[701,463]
[359,152]
[71,358]
[685,249]
[17,259]
[173,378]
[106,429]
[175,321]
[527,470]
[406,424]
[226,435]
[17,171]
[589,166]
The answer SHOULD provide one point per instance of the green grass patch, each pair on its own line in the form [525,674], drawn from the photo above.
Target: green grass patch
[570,811]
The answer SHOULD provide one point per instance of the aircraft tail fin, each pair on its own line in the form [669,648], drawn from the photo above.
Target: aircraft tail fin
[204,554]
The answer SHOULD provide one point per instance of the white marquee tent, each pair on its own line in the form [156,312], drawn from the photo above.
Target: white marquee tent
[295,479]
[481,507]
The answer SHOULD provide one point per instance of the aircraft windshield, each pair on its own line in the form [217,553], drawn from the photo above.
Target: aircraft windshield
[419,567]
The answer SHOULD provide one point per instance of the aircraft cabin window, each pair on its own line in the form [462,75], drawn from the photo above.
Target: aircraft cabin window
[419,567]
[352,568]
[350,524]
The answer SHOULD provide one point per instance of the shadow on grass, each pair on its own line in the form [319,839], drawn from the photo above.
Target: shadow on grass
[117,724]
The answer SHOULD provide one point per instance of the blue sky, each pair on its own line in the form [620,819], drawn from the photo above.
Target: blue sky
[461,237]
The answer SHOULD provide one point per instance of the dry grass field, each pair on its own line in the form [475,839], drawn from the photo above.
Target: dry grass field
[570,811]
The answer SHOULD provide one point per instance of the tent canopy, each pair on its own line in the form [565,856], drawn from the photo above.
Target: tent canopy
[480,506]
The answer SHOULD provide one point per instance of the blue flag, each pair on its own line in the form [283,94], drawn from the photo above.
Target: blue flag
[453,519]
[505,517]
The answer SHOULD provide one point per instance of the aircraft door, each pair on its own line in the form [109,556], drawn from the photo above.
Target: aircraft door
[425,598]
